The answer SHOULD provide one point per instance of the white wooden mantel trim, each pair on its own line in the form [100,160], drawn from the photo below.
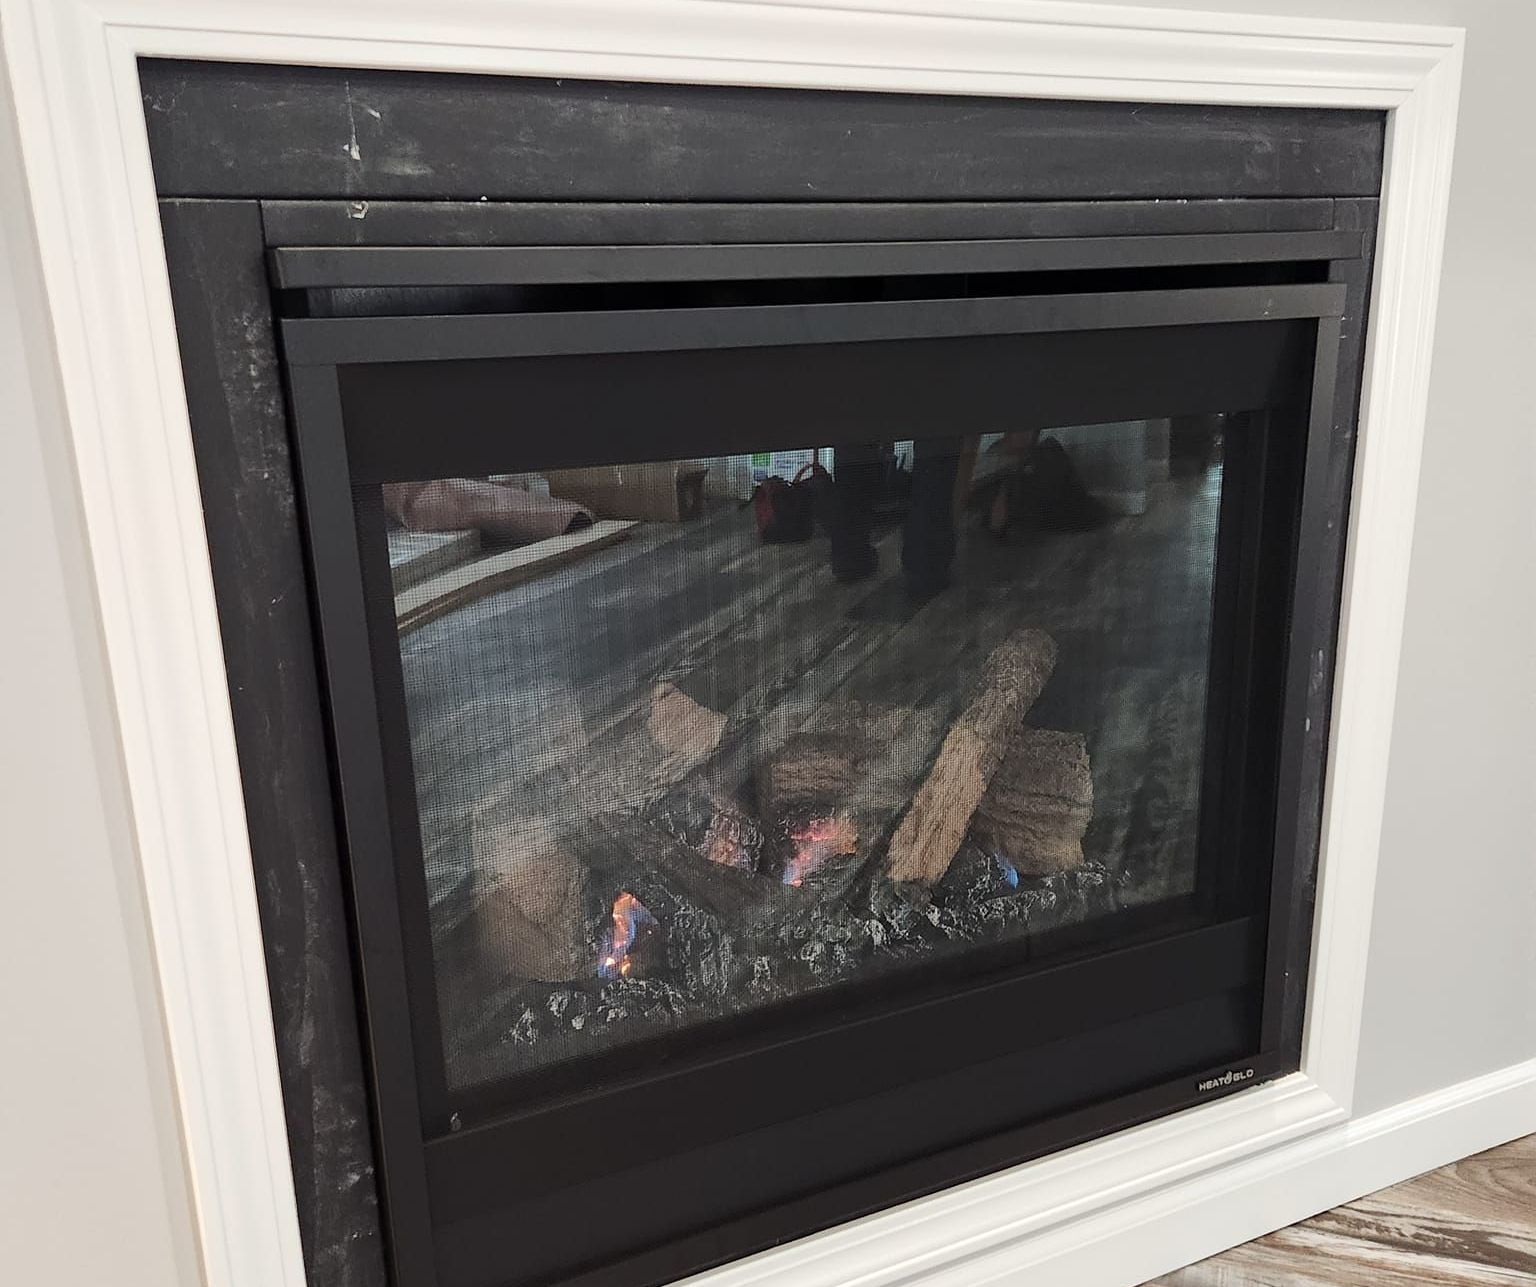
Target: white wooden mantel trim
[72,72]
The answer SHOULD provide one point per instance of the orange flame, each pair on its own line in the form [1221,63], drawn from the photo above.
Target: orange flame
[630,916]
[815,842]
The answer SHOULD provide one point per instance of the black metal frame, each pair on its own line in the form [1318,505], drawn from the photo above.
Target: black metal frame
[217,252]
[349,340]
[449,1194]
[299,267]
[227,130]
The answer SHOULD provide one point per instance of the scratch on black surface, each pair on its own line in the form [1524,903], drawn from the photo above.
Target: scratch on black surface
[352,149]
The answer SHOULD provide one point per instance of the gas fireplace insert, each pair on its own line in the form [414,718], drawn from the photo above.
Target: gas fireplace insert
[756,709]
[860,728]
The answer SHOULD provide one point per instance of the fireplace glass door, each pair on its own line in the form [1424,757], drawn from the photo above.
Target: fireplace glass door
[697,739]
[766,713]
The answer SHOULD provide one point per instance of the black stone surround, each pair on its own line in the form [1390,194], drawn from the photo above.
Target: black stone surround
[248,158]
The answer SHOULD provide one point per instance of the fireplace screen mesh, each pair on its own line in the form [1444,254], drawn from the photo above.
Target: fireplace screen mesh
[697,739]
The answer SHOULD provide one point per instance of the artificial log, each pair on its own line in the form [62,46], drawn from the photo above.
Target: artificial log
[808,790]
[635,756]
[693,847]
[732,839]
[859,756]
[1034,814]
[810,772]
[935,823]
[531,921]
[639,754]
[831,792]
[685,731]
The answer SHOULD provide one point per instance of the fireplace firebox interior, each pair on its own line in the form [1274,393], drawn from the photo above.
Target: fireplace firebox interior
[732,752]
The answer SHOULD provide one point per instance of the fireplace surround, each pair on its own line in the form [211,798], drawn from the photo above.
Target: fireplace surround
[605,959]
[220,234]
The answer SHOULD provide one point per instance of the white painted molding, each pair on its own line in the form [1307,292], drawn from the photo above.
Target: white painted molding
[929,1239]
[74,83]
[1068,1233]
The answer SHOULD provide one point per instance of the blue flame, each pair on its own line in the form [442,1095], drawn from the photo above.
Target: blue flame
[631,917]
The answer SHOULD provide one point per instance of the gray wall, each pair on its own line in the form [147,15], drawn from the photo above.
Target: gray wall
[86,1114]
[1452,985]
[92,1187]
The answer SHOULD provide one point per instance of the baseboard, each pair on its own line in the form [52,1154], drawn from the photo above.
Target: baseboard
[1189,1220]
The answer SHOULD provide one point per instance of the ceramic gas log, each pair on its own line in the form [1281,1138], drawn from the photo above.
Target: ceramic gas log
[940,813]
[691,888]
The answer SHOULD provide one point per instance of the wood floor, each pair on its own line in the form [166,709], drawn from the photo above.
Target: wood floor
[1470,1224]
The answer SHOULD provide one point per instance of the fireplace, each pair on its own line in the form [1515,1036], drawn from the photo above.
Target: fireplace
[866,702]
[819,701]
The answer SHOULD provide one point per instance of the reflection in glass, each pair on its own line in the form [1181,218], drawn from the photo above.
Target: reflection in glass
[694,738]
